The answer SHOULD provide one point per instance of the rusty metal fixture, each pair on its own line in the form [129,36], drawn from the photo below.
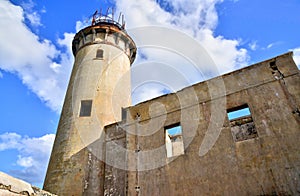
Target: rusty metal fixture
[103,27]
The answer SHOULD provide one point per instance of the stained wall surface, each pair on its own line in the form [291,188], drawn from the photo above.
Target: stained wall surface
[101,79]
[265,160]
[256,154]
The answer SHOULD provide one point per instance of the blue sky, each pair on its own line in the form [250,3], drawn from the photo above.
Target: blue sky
[36,60]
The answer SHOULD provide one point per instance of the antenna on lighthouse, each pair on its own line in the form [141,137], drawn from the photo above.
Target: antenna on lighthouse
[108,17]
[123,22]
[100,14]
[94,17]
[119,17]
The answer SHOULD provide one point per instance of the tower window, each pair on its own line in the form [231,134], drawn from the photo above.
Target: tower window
[174,140]
[85,108]
[123,114]
[99,54]
[241,123]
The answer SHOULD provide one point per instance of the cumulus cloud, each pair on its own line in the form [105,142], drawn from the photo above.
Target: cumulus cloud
[297,56]
[33,59]
[34,18]
[197,19]
[147,92]
[33,155]
[45,69]
[30,14]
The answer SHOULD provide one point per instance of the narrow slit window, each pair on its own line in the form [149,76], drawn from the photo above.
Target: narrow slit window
[99,54]
[241,123]
[85,108]
[174,140]
[124,114]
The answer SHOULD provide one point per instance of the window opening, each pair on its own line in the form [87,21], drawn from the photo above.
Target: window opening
[85,108]
[99,54]
[123,114]
[174,140]
[239,113]
[241,123]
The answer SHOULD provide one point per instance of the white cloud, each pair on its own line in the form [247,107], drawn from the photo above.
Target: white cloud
[34,18]
[11,141]
[33,155]
[253,45]
[28,5]
[198,19]
[148,91]
[40,70]
[25,161]
[30,14]
[80,25]
[270,45]
[224,52]
[297,56]
[32,58]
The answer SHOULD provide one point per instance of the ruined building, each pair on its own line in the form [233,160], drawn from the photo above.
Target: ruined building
[236,134]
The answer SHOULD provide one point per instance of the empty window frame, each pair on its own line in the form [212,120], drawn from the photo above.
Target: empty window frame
[85,108]
[238,112]
[174,140]
[241,123]
[99,54]
[123,114]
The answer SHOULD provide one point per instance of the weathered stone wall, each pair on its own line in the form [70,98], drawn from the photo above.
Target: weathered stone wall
[75,166]
[253,155]
[214,163]
[115,159]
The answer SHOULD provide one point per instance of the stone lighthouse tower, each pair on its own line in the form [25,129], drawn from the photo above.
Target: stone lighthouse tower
[98,89]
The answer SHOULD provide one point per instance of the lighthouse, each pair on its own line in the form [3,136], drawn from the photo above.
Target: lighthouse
[98,89]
